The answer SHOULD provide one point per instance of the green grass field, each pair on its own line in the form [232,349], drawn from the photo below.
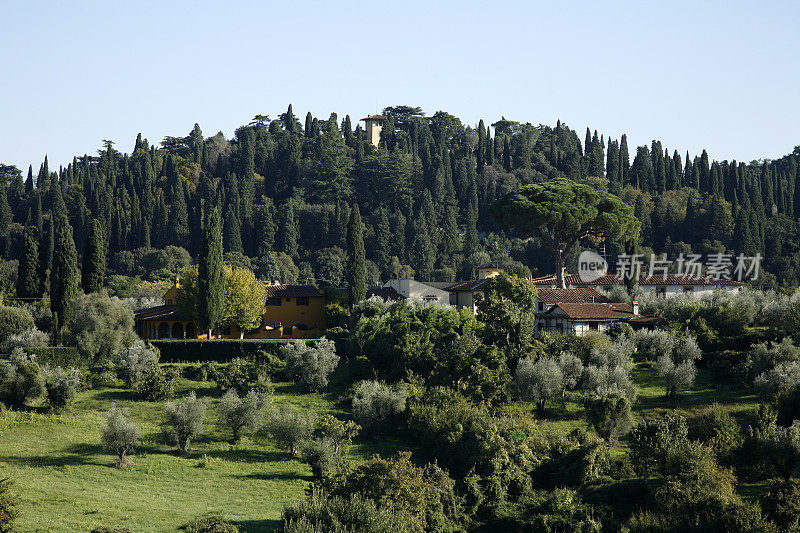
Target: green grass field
[65,482]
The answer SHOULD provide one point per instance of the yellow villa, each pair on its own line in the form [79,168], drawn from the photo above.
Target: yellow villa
[290,312]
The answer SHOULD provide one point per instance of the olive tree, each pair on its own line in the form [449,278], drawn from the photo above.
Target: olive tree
[676,376]
[20,379]
[242,415]
[539,381]
[101,326]
[376,404]
[61,385]
[120,434]
[609,414]
[290,427]
[133,362]
[309,364]
[185,419]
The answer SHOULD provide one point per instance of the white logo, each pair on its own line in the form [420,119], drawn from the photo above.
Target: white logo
[591,266]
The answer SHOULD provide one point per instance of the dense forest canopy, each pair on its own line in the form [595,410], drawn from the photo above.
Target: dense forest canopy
[285,188]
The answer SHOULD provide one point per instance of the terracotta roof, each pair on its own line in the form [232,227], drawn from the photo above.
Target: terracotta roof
[603,311]
[575,295]
[161,312]
[658,279]
[292,291]
[468,286]
[387,293]
[596,311]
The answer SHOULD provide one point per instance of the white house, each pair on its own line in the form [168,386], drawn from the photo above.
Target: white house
[662,286]
[429,291]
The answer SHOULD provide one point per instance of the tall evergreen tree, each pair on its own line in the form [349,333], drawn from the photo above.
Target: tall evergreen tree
[356,257]
[211,275]
[63,275]
[28,285]
[94,259]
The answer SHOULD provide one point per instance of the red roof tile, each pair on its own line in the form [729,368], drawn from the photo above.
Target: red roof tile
[575,295]
[292,291]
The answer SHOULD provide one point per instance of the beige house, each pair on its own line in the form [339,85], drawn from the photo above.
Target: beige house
[463,293]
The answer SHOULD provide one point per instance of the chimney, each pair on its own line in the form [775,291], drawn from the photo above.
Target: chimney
[635,305]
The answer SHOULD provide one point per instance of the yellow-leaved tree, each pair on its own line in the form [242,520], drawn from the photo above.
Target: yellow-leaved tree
[245,297]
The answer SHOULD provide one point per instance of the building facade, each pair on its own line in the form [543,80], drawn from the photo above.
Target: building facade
[661,286]
[290,312]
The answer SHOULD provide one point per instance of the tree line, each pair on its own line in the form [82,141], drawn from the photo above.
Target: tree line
[285,190]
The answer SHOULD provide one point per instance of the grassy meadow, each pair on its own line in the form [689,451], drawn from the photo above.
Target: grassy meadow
[65,480]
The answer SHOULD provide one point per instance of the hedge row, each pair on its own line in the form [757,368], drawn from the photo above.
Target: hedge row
[201,350]
[63,356]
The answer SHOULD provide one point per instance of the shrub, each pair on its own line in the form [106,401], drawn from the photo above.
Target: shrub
[338,431]
[234,375]
[781,379]
[8,506]
[782,449]
[376,404]
[216,350]
[361,369]
[619,329]
[14,320]
[311,365]
[609,414]
[653,443]
[210,523]
[30,338]
[20,380]
[764,357]
[241,415]
[185,418]
[321,512]
[120,435]
[158,384]
[133,362]
[322,455]
[781,504]
[425,494]
[101,326]
[61,385]
[715,428]
[290,427]
[539,381]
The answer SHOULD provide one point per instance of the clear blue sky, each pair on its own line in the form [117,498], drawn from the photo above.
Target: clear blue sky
[721,75]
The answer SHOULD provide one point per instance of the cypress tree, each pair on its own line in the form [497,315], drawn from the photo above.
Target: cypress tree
[63,276]
[289,231]
[506,155]
[382,236]
[178,221]
[94,259]
[28,283]
[211,275]
[29,180]
[624,160]
[356,258]
[46,243]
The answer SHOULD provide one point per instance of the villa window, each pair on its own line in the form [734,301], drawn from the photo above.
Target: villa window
[302,300]
[593,326]
[688,290]
[661,292]
[273,301]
